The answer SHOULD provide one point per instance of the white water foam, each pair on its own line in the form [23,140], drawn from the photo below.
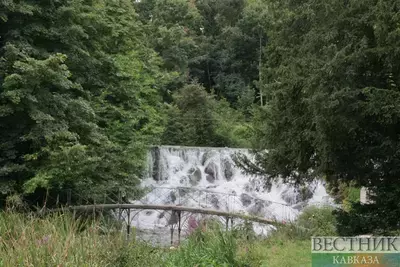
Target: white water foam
[208,178]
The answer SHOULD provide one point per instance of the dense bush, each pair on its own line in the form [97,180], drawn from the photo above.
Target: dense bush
[319,221]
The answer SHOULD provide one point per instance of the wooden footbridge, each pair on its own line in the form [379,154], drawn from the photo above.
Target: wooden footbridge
[175,201]
[176,211]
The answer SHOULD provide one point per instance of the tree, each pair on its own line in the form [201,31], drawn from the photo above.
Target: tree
[79,91]
[172,24]
[332,84]
[191,119]
[197,118]
[229,48]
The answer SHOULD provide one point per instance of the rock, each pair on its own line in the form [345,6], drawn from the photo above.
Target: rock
[194,176]
[211,169]
[206,156]
[156,170]
[246,199]
[210,178]
[149,212]
[228,170]
[172,196]
[305,193]
[211,186]
[247,188]
[289,196]
[183,191]
[214,201]
[294,196]
[173,219]
[257,208]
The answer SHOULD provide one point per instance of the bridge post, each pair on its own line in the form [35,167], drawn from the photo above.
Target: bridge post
[172,234]
[119,202]
[231,222]
[226,223]
[128,225]
[179,227]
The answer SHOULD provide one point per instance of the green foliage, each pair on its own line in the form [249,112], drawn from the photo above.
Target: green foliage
[345,193]
[228,57]
[172,25]
[379,217]
[319,221]
[79,97]
[332,86]
[196,118]
[211,248]
[64,240]
[279,253]
[213,42]
[135,254]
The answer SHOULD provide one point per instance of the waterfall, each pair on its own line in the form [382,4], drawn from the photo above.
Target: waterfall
[208,178]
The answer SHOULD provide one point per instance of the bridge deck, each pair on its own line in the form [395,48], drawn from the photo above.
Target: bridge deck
[172,208]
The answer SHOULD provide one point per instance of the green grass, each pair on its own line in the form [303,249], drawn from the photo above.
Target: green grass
[61,240]
[282,253]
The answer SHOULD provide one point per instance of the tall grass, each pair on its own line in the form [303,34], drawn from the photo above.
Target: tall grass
[212,248]
[60,240]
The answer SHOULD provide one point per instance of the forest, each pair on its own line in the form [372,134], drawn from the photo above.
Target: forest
[311,87]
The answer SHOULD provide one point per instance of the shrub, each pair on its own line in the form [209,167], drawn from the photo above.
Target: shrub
[319,221]
[206,248]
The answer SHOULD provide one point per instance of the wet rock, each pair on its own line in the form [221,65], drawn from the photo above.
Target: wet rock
[247,188]
[183,191]
[149,212]
[257,208]
[211,169]
[214,201]
[172,196]
[305,193]
[173,219]
[246,199]
[194,176]
[289,196]
[206,156]
[161,215]
[294,196]
[210,178]
[156,170]
[228,170]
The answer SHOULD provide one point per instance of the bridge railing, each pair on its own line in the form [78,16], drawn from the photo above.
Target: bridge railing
[228,202]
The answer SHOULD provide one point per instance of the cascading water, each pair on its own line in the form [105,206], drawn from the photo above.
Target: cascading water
[208,178]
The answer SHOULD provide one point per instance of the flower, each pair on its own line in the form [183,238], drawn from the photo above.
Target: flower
[44,240]
[193,224]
